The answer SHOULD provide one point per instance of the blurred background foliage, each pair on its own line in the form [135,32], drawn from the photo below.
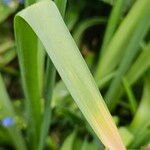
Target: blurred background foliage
[87,21]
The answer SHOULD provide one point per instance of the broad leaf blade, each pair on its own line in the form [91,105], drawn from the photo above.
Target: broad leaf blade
[61,48]
[49,85]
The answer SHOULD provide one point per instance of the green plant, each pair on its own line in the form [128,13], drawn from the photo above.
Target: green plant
[47,117]
[74,73]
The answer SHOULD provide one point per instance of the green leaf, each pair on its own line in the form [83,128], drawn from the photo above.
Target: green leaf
[6,45]
[140,66]
[6,10]
[72,14]
[29,2]
[61,4]
[126,135]
[29,70]
[134,73]
[88,145]
[123,37]
[50,29]
[69,141]
[49,85]
[141,121]
[50,79]
[132,100]
[7,57]
[111,2]
[60,92]
[6,110]
[131,51]
[77,144]
[113,22]
[78,33]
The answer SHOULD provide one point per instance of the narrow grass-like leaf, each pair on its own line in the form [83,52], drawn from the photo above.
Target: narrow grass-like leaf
[111,2]
[30,75]
[61,4]
[6,110]
[6,10]
[126,135]
[77,144]
[122,38]
[134,73]
[88,145]
[6,45]
[34,75]
[7,57]
[106,79]
[113,22]
[132,100]
[130,53]
[141,122]
[78,33]
[140,66]
[41,66]
[69,141]
[50,29]
[72,14]
[29,2]
[50,79]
